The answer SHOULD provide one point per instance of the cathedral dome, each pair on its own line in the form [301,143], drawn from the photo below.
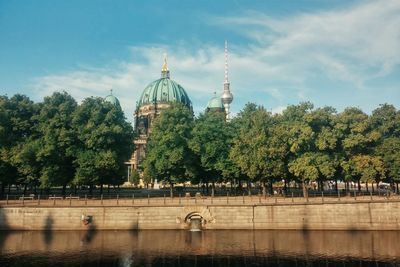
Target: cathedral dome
[164,90]
[215,104]
[112,99]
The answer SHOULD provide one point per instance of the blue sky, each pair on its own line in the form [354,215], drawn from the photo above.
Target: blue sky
[336,53]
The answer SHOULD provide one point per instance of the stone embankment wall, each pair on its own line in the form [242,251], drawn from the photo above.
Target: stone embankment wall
[306,216]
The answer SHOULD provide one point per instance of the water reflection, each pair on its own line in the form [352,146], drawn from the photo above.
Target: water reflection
[207,248]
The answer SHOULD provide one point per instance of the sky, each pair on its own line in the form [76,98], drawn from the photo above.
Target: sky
[336,53]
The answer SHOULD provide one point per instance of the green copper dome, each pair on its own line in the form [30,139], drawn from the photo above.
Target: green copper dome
[112,99]
[164,90]
[215,103]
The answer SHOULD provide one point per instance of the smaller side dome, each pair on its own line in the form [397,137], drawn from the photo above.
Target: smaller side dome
[215,104]
[112,99]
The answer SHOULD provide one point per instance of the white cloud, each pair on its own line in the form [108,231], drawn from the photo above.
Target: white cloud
[352,45]
[284,61]
[278,109]
[200,74]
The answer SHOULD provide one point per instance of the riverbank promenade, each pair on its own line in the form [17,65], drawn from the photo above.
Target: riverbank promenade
[115,200]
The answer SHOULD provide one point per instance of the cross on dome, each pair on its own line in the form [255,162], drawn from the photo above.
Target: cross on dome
[164,69]
[165,65]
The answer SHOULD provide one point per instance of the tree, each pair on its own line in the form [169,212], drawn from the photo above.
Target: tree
[7,171]
[356,138]
[24,158]
[389,152]
[148,174]
[365,168]
[250,147]
[17,129]
[211,141]
[300,135]
[355,132]
[57,140]
[168,156]
[134,177]
[386,120]
[300,139]
[104,143]
[279,150]
[311,167]
[326,143]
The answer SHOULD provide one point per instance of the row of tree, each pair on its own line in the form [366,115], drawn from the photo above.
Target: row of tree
[302,144]
[59,143]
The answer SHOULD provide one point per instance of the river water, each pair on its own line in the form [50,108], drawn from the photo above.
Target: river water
[206,248]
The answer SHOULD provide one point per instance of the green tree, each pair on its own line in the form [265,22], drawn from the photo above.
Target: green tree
[300,135]
[311,167]
[250,149]
[326,143]
[148,174]
[279,150]
[365,168]
[300,139]
[168,156]
[386,120]
[24,158]
[17,129]
[7,172]
[211,141]
[105,142]
[389,151]
[134,177]
[356,138]
[57,140]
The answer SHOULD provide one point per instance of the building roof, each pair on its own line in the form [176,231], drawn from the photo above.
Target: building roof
[164,90]
[215,102]
[112,99]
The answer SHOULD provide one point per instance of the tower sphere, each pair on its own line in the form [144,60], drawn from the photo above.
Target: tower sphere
[227,97]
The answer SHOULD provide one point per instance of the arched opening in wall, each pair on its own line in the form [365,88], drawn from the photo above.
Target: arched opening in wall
[194,221]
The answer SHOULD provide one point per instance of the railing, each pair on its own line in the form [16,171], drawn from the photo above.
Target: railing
[197,198]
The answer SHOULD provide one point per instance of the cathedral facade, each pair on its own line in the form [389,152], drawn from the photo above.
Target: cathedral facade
[157,97]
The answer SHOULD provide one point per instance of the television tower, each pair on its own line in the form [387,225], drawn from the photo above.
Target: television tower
[227,96]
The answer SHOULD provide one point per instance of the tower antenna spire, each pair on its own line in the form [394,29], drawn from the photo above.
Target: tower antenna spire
[226,62]
[227,96]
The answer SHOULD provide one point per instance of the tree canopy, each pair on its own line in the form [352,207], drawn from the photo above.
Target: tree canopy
[58,142]
[168,157]
[302,144]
